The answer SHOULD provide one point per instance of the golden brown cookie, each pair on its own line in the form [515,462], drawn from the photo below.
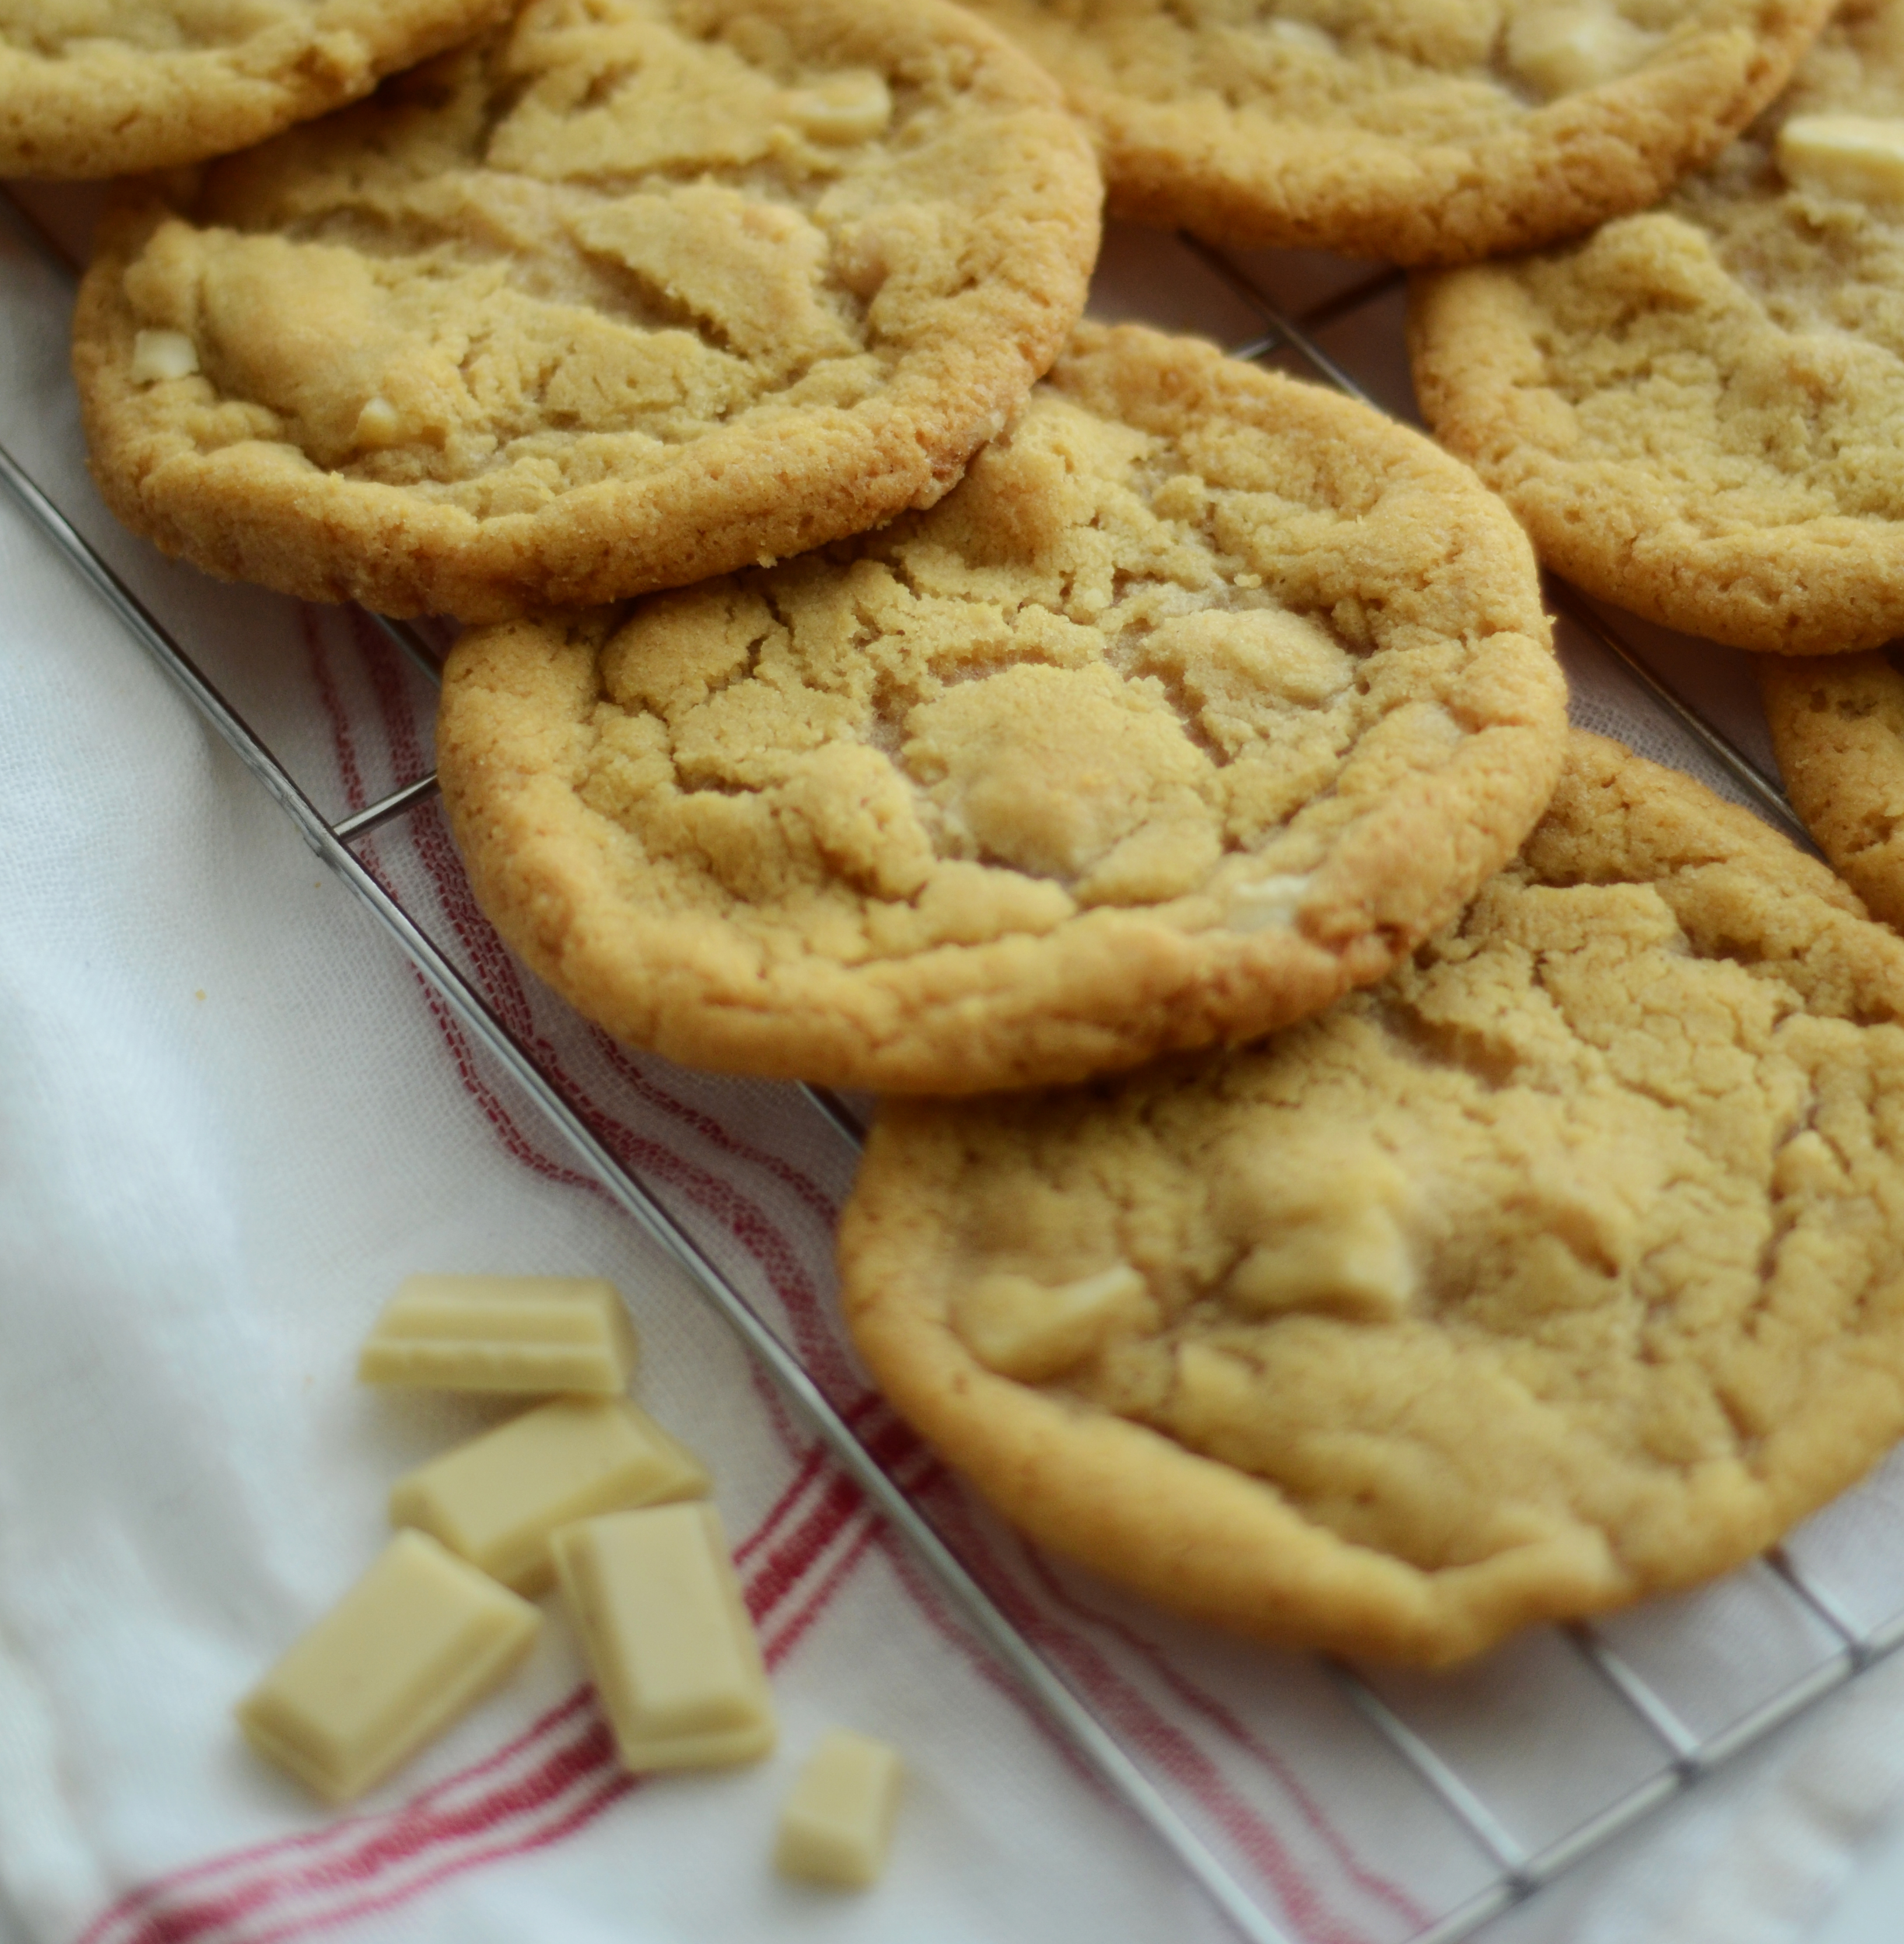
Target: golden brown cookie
[1564,1266]
[1699,414]
[1205,695]
[621,296]
[1428,134]
[103,87]
[1838,728]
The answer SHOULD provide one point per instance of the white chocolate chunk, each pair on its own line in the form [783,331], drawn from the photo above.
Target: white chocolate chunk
[534,1334]
[838,1821]
[379,424]
[497,1499]
[1561,50]
[1033,1331]
[1357,1263]
[667,1636]
[1268,901]
[852,107]
[410,1646]
[158,355]
[1314,40]
[1858,156]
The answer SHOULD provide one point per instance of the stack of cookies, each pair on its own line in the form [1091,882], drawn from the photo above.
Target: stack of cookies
[1378,1171]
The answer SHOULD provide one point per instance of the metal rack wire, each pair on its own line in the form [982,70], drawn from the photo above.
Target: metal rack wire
[1514,1866]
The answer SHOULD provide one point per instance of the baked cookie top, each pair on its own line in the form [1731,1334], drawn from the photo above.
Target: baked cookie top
[103,87]
[1565,1265]
[1699,413]
[623,295]
[1205,695]
[1838,728]
[1428,134]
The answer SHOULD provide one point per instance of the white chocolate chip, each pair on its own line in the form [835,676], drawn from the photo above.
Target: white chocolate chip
[1859,156]
[837,1823]
[1356,1262]
[158,355]
[379,424]
[1033,1331]
[1268,901]
[1303,34]
[1561,50]
[848,108]
[668,1637]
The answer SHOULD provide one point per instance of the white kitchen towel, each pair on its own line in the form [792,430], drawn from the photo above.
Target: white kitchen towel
[231,1117]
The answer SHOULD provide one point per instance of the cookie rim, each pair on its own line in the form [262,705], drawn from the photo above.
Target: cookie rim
[1575,161]
[1120,984]
[301,530]
[1239,1558]
[207,102]
[1465,341]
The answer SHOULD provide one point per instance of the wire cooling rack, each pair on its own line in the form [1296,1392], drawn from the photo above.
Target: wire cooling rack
[1543,1752]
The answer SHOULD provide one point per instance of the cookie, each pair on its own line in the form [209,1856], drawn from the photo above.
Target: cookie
[1838,728]
[1565,1266]
[103,87]
[627,294]
[1699,414]
[1204,696]
[1426,134]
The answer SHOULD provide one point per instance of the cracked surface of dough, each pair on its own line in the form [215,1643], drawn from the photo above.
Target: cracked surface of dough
[628,293]
[1560,1268]
[103,87]
[1204,696]
[1699,414]
[1424,133]
[1838,728]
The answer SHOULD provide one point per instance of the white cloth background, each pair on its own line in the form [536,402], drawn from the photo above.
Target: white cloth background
[230,1121]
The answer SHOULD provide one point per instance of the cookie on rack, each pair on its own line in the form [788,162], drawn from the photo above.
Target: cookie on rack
[1424,134]
[1204,697]
[618,297]
[1564,1266]
[104,87]
[1837,726]
[1699,414]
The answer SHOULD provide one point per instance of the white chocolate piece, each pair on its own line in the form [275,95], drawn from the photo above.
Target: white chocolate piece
[1357,1262]
[1858,156]
[496,1500]
[1561,50]
[668,1639]
[379,424]
[158,355]
[1258,903]
[537,1335]
[838,1821]
[410,1646]
[1033,1331]
[850,107]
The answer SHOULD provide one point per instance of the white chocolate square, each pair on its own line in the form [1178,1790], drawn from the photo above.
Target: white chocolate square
[838,1821]
[1033,1331]
[418,1638]
[496,1500]
[536,1335]
[1857,156]
[667,1636]
[1564,48]
[160,356]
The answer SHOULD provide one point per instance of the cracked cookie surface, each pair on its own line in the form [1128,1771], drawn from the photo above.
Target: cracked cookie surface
[1837,726]
[1203,697]
[624,294]
[104,87]
[1561,1267]
[1699,414]
[1434,133]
